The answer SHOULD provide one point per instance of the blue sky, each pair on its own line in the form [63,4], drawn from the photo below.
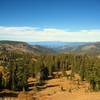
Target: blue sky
[42,20]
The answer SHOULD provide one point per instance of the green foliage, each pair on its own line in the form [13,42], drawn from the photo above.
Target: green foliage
[20,66]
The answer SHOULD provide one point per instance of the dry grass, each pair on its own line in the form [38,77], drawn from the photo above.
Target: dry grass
[60,89]
[71,91]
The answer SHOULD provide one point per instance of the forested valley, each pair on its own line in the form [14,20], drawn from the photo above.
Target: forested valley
[16,68]
[31,72]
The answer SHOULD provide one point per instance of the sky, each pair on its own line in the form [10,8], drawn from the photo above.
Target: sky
[50,20]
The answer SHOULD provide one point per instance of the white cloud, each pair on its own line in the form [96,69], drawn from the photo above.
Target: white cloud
[47,34]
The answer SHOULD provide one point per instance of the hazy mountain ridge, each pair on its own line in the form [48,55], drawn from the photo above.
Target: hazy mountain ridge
[77,47]
[90,48]
[49,47]
[23,47]
[55,44]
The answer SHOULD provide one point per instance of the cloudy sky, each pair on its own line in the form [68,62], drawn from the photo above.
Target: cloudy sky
[50,20]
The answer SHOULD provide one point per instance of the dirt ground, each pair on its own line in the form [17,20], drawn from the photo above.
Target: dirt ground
[60,89]
[73,96]
[63,89]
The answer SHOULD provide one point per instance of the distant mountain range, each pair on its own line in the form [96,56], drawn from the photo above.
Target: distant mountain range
[52,44]
[89,48]
[23,47]
[51,47]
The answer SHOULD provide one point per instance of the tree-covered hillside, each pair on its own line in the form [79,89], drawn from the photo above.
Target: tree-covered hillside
[17,67]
